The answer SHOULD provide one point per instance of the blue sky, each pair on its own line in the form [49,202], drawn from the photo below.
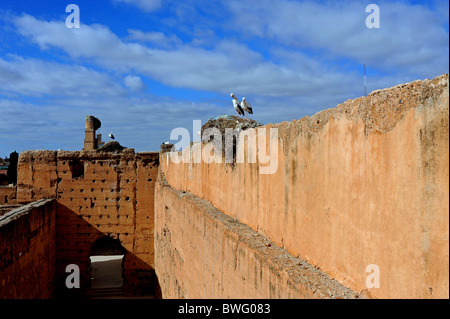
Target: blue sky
[146,67]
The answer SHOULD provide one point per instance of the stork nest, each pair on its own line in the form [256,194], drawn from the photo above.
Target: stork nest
[112,146]
[167,147]
[222,122]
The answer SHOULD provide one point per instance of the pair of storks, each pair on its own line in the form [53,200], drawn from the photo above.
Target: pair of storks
[241,107]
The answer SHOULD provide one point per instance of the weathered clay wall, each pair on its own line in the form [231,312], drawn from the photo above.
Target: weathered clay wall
[364,183]
[27,252]
[7,195]
[98,194]
[203,253]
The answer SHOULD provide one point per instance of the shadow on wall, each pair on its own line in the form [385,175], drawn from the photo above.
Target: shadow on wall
[77,240]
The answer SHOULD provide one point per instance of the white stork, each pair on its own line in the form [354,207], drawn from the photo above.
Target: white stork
[237,105]
[246,106]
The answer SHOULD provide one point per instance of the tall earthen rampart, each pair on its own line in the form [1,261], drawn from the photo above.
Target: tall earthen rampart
[358,188]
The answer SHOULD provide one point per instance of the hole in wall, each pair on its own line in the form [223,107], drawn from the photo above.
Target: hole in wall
[106,263]
[76,168]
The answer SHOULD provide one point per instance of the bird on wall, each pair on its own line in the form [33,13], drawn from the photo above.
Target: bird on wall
[111,135]
[237,105]
[246,106]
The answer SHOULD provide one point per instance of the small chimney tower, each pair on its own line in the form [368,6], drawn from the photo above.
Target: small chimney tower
[90,138]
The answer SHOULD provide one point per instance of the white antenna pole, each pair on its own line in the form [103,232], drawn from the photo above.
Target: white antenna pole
[365,82]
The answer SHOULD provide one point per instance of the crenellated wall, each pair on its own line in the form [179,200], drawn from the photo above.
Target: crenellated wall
[365,183]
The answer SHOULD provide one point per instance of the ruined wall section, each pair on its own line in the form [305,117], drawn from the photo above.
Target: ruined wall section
[27,251]
[8,195]
[37,176]
[98,194]
[365,183]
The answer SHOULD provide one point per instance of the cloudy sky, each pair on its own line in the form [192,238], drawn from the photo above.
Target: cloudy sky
[146,67]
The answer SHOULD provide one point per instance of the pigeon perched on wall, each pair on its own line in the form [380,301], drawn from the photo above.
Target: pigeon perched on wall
[237,105]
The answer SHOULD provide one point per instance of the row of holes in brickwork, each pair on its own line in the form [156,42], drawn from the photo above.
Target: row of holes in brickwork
[100,163]
[101,216]
[101,189]
[95,198]
[127,181]
[107,172]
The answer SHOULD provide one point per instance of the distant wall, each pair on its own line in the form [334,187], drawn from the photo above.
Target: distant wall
[27,252]
[364,183]
[7,195]
[98,194]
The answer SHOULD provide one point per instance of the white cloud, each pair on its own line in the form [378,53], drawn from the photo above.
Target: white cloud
[145,5]
[33,77]
[159,39]
[412,39]
[229,66]
[134,83]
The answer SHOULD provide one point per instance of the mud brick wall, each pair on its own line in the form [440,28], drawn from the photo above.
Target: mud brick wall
[27,251]
[360,184]
[365,183]
[203,253]
[8,195]
[98,194]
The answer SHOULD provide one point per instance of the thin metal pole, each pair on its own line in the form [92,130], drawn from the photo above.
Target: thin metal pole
[365,82]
